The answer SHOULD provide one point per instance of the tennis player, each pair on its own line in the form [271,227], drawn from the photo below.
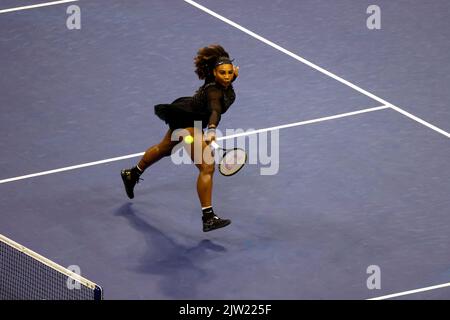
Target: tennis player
[212,99]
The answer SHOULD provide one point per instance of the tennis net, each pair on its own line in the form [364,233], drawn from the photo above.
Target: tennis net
[26,275]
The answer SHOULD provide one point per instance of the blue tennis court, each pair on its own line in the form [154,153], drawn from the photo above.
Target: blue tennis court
[361,175]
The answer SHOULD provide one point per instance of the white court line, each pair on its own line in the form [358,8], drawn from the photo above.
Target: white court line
[316,67]
[404,293]
[302,123]
[83,165]
[36,6]
[89,164]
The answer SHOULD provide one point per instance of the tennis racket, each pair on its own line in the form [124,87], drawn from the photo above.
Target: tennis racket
[232,159]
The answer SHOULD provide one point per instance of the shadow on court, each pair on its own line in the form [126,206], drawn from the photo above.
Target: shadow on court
[177,264]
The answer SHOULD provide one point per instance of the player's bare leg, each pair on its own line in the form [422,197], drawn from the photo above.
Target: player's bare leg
[201,154]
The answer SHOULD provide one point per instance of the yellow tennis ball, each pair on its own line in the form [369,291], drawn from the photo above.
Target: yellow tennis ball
[189,139]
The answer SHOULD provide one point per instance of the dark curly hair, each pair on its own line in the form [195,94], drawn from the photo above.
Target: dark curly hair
[206,59]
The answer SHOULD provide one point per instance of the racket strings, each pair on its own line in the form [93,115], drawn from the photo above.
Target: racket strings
[232,161]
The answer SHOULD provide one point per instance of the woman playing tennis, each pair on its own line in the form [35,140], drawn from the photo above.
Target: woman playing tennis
[211,100]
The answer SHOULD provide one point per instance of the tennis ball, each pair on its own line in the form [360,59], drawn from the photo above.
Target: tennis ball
[189,139]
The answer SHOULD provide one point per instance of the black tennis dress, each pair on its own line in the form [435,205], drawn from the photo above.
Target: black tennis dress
[207,105]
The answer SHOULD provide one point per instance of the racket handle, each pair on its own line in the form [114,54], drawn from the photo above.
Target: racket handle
[215,145]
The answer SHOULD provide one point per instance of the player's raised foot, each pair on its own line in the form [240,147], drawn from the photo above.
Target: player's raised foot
[214,222]
[130,177]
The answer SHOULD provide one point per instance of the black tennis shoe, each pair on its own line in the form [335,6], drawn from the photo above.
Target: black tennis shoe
[129,179]
[214,222]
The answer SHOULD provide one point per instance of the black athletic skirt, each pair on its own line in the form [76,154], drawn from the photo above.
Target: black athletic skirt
[180,114]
